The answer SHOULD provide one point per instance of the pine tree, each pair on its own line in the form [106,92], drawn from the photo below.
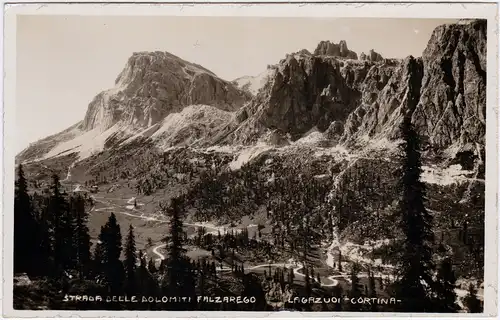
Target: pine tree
[150,242]
[415,270]
[62,227]
[81,237]
[45,257]
[372,292]
[471,301]
[151,266]
[130,262]
[446,284]
[180,276]
[337,292]
[308,288]
[99,256]
[356,288]
[25,246]
[340,261]
[252,287]
[112,244]
[372,289]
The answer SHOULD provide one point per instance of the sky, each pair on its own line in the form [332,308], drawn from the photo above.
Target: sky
[64,61]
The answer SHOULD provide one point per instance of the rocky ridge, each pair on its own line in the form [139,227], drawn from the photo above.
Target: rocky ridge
[448,103]
[354,102]
[155,84]
[371,56]
[328,48]
[346,100]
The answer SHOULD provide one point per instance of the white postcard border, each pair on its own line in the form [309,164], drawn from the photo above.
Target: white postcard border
[367,10]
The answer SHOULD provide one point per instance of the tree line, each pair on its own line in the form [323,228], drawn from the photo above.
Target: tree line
[52,243]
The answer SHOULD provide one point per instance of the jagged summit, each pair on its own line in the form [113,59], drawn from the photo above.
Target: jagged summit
[327,48]
[154,84]
[447,103]
[371,56]
[356,101]
[331,92]
[253,84]
[151,86]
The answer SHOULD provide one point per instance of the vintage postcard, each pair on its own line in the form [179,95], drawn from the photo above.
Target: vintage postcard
[230,160]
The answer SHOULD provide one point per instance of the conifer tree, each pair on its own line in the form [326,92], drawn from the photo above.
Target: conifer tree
[340,261]
[99,256]
[130,262]
[471,301]
[372,289]
[372,292]
[152,266]
[446,284]
[180,276]
[24,226]
[81,237]
[356,288]
[337,293]
[112,244]
[63,223]
[252,287]
[415,284]
[308,288]
[45,257]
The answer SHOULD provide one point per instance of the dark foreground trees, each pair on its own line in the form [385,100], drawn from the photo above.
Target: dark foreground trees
[420,286]
[50,231]
[25,242]
[130,262]
[415,283]
[473,304]
[180,278]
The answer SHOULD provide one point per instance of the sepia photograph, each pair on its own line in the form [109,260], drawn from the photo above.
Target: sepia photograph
[217,162]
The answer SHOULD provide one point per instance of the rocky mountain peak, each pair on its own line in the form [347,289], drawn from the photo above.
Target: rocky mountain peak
[444,91]
[371,56]
[327,48]
[155,84]
[304,92]
[330,92]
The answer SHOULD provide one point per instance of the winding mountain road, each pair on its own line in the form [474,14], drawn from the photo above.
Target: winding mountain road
[210,229]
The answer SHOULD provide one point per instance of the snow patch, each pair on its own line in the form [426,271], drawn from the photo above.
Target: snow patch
[208,117]
[452,174]
[254,84]
[222,149]
[86,144]
[313,136]
[248,154]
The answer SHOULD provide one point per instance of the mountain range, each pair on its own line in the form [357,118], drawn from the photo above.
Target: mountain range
[331,93]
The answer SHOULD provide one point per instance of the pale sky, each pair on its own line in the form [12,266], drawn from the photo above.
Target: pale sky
[64,61]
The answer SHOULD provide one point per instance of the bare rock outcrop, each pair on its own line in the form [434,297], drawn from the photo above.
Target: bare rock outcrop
[371,56]
[447,99]
[155,84]
[452,107]
[327,48]
[348,101]
[305,91]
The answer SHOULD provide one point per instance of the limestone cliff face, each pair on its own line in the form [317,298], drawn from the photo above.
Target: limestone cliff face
[348,101]
[155,84]
[151,87]
[448,100]
[327,48]
[356,101]
[371,56]
[452,106]
[384,101]
[305,91]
